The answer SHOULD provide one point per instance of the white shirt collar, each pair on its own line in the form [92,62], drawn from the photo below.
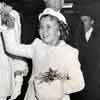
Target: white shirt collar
[88,34]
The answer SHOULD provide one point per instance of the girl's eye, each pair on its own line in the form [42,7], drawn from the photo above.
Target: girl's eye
[45,28]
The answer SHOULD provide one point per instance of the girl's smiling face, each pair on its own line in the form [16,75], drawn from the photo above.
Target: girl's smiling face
[49,30]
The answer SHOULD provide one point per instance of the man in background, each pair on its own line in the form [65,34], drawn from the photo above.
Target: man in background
[90,53]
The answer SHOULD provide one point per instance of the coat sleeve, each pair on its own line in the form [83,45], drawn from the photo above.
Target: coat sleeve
[75,82]
[15,48]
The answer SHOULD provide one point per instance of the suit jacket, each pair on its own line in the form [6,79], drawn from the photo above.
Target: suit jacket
[90,61]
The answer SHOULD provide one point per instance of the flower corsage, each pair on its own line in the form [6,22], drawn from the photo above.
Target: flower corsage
[52,75]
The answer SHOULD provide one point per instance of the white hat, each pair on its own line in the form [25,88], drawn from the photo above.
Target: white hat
[49,11]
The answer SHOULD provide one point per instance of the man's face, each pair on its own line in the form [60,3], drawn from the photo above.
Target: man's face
[54,4]
[87,21]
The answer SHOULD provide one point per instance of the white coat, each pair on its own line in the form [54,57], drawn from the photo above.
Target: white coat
[63,59]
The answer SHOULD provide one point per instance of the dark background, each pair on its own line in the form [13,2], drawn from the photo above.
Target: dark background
[29,6]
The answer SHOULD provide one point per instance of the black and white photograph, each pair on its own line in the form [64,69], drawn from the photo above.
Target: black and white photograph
[49,50]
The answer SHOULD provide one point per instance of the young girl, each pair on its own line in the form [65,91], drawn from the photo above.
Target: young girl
[56,69]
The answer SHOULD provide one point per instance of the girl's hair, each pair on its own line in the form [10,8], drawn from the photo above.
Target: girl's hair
[64,31]
[63,28]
